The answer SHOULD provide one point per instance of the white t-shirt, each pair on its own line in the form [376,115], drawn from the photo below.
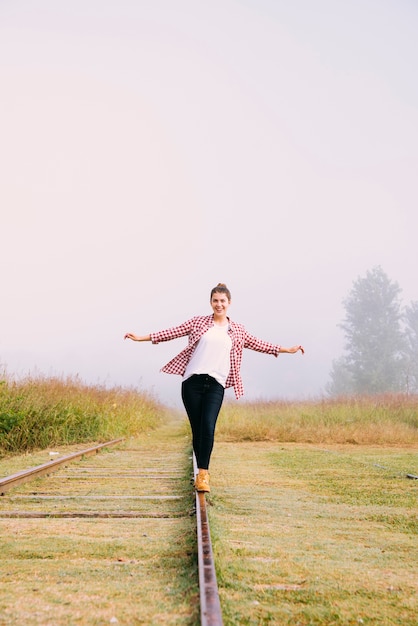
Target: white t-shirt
[212,355]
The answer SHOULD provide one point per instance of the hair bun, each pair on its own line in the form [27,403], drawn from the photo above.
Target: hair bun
[221,288]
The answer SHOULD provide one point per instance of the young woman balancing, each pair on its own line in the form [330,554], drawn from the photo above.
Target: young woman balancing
[210,363]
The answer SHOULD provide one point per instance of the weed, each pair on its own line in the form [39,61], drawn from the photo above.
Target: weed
[42,412]
[385,419]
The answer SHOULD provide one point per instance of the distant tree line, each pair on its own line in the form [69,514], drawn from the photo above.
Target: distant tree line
[381,340]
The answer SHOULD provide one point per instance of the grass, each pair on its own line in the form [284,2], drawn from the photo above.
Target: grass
[102,571]
[311,536]
[366,420]
[43,412]
[88,572]
[313,520]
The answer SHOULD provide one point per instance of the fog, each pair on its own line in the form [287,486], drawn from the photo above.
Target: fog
[150,150]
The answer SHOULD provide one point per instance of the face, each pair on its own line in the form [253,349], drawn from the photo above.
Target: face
[219,303]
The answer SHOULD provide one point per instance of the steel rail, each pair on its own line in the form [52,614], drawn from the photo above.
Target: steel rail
[46,468]
[210,607]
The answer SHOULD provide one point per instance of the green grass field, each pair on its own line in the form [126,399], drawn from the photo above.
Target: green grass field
[313,517]
[305,534]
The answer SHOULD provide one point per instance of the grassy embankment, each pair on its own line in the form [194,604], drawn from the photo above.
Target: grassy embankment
[40,412]
[36,413]
[387,419]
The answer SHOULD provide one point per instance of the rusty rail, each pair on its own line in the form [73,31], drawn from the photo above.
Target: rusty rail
[210,607]
[40,470]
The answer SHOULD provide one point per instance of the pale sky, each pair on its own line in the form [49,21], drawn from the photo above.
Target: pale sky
[151,149]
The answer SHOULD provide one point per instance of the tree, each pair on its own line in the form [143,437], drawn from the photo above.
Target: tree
[374,341]
[341,378]
[411,347]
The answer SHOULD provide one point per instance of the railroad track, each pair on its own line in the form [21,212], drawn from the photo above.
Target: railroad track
[113,488]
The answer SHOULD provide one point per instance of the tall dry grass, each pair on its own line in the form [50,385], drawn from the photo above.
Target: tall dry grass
[40,412]
[384,419]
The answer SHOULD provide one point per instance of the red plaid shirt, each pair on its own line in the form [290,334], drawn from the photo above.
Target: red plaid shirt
[195,328]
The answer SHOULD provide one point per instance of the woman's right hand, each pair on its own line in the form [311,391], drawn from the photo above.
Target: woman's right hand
[137,337]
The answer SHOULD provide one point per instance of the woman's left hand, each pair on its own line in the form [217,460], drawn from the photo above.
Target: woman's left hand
[293,349]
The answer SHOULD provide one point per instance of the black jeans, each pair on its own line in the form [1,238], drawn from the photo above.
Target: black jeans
[202,397]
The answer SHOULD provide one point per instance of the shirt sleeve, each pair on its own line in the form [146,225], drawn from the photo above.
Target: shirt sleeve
[259,345]
[172,333]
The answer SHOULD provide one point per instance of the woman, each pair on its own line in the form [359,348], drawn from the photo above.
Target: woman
[210,363]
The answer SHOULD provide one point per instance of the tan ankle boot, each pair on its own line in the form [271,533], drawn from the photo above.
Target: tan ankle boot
[202,481]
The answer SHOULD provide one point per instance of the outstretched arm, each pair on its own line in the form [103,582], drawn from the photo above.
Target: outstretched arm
[254,343]
[137,337]
[292,350]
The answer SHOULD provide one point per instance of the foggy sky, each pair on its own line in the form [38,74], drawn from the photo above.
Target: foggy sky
[150,149]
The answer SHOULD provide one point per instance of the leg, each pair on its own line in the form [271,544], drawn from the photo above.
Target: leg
[192,396]
[202,397]
[213,398]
